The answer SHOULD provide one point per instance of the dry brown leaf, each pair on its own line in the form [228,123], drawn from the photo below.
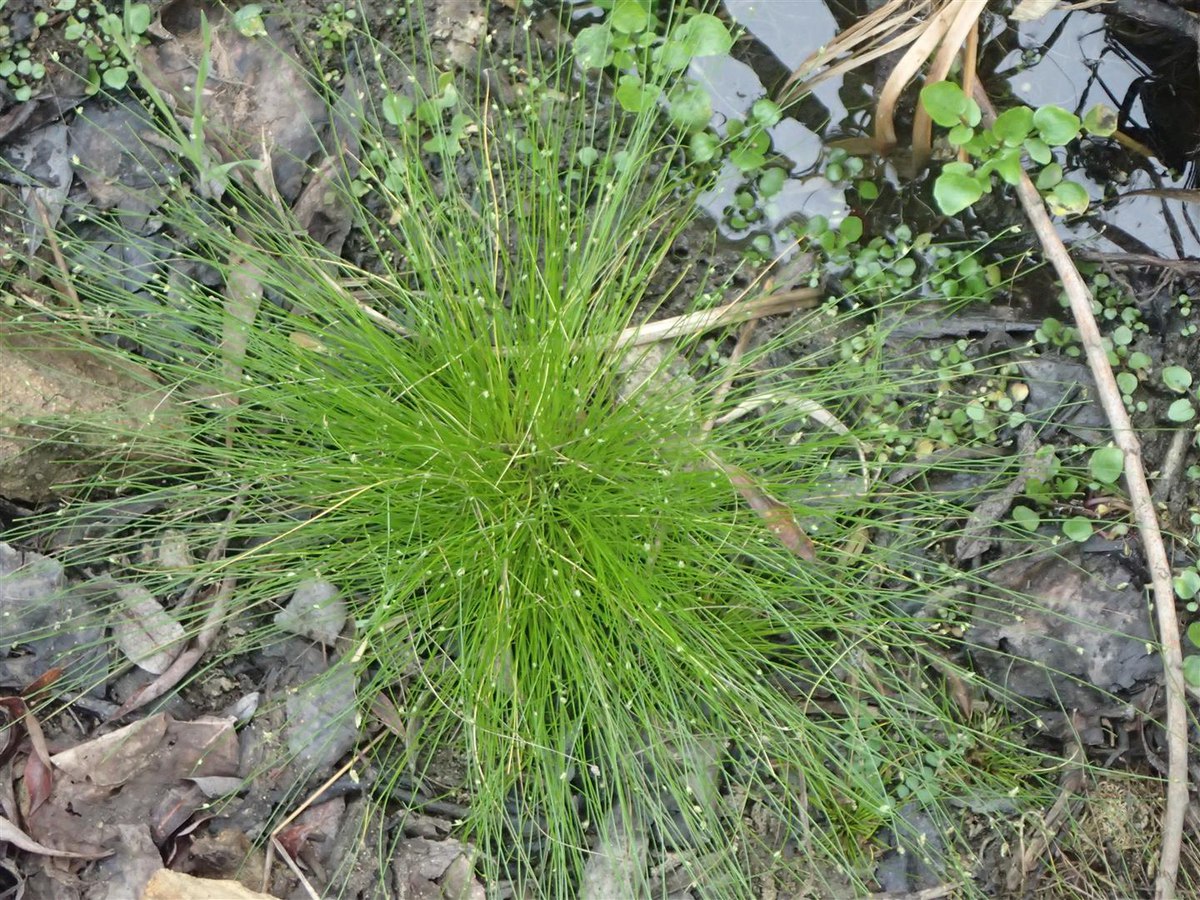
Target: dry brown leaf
[145,632]
[112,759]
[778,516]
[18,838]
[133,777]
[256,96]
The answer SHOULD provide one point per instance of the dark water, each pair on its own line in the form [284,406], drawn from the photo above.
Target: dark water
[1072,59]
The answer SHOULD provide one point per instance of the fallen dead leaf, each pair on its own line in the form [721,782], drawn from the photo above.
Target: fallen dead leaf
[18,838]
[112,759]
[256,94]
[138,775]
[145,632]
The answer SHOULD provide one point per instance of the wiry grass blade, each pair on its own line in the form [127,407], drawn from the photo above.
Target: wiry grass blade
[553,577]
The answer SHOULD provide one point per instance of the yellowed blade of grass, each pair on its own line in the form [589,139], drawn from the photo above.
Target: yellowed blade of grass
[924,27]
[934,30]
[859,44]
[966,16]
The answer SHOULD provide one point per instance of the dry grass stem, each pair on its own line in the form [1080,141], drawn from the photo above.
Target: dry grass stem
[675,327]
[1145,516]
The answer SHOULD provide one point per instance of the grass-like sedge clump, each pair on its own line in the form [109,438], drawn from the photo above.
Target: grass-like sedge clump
[553,566]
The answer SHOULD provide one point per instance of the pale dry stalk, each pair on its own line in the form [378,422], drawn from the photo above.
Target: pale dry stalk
[1146,518]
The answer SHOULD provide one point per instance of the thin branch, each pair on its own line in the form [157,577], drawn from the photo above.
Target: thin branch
[729,314]
[68,286]
[1188,266]
[1144,515]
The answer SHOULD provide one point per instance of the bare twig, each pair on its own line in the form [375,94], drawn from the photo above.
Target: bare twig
[870,37]
[1172,464]
[68,287]
[1069,793]
[291,864]
[275,846]
[735,357]
[1188,266]
[729,314]
[1144,515]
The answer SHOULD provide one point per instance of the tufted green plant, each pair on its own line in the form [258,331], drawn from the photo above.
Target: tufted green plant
[559,576]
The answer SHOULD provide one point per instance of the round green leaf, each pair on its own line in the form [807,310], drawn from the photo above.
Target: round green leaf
[945,102]
[766,112]
[954,192]
[1067,198]
[1039,151]
[691,108]
[771,181]
[1191,670]
[116,77]
[248,21]
[1026,518]
[748,158]
[634,96]
[593,47]
[868,190]
[851,228]
[1078,528]
[396,108]
[630,16]
[973,114]
[1181,411]
[1177,378]
[137,18]
[1100,120]
[1007,164]
[1056,126]
[1106,464]
[703,146]
[1187,585]
[673,55]
[1138,361]
[1127,382]
[960,134]
[1013,125]
[708,36]
[1049,176]
[1193,631]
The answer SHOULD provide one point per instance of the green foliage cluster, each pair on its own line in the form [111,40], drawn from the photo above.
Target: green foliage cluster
[17,66]
[561,571]
[1017,135]
[1060,487]
[642,49]
[333,26]
[1117,312]
[898,262]
[93,28]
